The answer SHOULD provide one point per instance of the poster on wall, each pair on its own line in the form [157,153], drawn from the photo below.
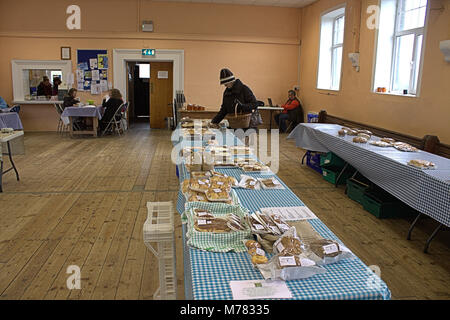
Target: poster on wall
[102,61]
[92,67]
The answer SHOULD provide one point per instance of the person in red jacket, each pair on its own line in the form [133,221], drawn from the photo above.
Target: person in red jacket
[290,104]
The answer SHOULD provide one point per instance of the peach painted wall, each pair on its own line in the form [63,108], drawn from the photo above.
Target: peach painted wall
[259,44]
[427,114]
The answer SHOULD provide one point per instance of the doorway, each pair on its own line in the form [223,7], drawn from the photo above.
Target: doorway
[138,88]
[150,91]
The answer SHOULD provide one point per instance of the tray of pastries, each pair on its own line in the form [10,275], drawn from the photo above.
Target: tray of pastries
[388,140]
[217,195]
[255,250]
[195,196]
[200,185]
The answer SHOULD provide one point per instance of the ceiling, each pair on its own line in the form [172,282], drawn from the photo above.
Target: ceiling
[274,3]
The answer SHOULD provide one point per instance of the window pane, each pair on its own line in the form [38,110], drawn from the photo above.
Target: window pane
[412,14]
[417,60]
[336,67]
[339,30]
[403,62]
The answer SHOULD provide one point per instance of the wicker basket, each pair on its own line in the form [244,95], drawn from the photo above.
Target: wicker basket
[238,121]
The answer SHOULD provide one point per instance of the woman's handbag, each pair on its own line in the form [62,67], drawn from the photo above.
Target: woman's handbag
[255,119]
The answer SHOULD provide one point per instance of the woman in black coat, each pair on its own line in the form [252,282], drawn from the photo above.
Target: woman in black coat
[110,107]
[235,92]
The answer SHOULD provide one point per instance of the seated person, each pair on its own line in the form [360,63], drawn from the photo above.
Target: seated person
[71,98]
[110,105]
[291,104]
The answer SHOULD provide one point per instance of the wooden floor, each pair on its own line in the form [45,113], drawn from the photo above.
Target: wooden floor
[83,201]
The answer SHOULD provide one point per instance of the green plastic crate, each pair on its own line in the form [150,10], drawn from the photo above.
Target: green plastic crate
[356,190]
[384,206]
[331,175]
[330,160]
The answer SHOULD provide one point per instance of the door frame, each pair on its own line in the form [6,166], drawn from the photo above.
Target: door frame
[121,56]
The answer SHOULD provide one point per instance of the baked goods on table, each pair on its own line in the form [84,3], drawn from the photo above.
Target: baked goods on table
[248,182]
[195,196]
[369,133]
[325,248]
[289,245]
[202,213]
[380,143]
[216,225]
[241,150]
[402,146]
[270,183]
[217,195]
[422,164]
[360,139]
[342,132]
[254,249]
[388,140]
[201,185]
[364,135]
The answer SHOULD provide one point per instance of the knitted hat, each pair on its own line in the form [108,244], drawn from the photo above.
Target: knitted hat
[226,76]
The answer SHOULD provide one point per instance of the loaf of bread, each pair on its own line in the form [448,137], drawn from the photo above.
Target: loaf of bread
[423,164]
[325,248]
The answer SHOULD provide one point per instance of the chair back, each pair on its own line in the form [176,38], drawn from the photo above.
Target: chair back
[15,109]
[58,108]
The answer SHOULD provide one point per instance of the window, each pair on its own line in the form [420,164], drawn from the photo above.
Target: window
[331,48]
[400,44]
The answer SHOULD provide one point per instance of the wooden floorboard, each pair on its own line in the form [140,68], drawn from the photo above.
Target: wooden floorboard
[82,202]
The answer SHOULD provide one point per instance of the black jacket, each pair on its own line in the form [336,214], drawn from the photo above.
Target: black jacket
[110,107]
[69,102]
[239,92]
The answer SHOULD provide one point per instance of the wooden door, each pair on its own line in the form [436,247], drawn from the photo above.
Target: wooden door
[161,93]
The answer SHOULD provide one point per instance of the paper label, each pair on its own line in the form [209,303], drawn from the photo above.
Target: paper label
[276,182]
[217,190]
[258,227]
[220,183]
[200,198]
[201,214]
[260,252]
[331,248]
[252,182]
[306,262]
[201,182]
[280,247]
[287,261]
[201,222]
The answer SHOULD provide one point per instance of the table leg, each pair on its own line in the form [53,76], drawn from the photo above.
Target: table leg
[340,174]
[431,237]
[1,173]
[10,159]
[95,125]
[270,119]
[304,156]
[71,127]
[413,225]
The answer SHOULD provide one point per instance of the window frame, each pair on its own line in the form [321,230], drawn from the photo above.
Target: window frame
[336,46]
[417,32]
[324,13]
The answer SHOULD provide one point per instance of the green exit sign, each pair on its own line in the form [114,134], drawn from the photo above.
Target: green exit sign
[148,52]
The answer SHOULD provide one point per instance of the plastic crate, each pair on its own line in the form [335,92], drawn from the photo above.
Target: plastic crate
[159,230]
[313,161]
[313,117]
[331,160]
[356,189]
[331,175]
[383,205]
